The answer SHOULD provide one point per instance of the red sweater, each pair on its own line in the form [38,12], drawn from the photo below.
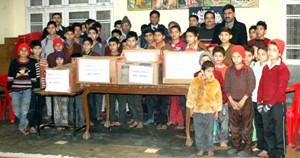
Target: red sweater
[266,40]
[273,84]
[178,46]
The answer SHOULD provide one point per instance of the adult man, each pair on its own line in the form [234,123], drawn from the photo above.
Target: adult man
[237,29]
[207,28]
[56,17]
[126,26]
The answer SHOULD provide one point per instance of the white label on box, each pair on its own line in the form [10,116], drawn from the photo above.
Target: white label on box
[181,66]
[140,74]
[91,70]
[57,80]
[141,57]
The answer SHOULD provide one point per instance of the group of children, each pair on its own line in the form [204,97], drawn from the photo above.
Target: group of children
[235,85]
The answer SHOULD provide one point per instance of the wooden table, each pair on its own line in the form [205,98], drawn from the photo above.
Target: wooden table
[68,94]
[129,89]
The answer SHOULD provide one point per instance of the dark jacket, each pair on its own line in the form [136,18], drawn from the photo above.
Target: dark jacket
[238,31]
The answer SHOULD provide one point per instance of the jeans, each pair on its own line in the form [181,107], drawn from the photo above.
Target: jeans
[21,103]
[49,105]
[203,124]
[136,107]
[60,110]
[223,125]
[80,117]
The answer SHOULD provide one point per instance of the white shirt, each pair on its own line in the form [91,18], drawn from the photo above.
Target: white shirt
[276,63]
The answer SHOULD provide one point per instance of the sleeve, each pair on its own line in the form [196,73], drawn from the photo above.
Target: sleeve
[102,51]
[33,75]
[221,81]
[227,83]
[202,45]
[11,76]
[260,87]
[38,75]
[243,36]
[283,78]
[218,98]
[191,99]
[250,82]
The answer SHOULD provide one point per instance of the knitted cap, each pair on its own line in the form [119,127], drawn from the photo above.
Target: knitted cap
[23,45]
[58,41]
[206,54]
[126,20]
[238,49]
[279,43]
[59,54]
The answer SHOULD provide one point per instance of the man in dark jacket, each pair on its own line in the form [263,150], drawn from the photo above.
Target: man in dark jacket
[237,29]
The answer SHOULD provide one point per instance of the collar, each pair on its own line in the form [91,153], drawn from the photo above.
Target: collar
[154,44]
[276,63]
[88,54]
[154,26]
[244,67]
[194,48]
[67,44]
[221,66]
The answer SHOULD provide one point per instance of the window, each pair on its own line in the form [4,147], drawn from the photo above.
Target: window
[39,12]
[292,34]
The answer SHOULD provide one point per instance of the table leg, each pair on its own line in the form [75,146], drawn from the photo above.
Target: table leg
[85,94]
[38,111]
[107,99]
[189,141]
[74,116]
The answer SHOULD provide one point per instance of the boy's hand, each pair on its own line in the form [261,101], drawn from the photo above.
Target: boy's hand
[267,107]
[234,104]
[216,115]
[260,107]
[191,112]
[10,94]
[241,103]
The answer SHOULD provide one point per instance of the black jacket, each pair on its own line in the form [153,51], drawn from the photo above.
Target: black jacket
[238,31]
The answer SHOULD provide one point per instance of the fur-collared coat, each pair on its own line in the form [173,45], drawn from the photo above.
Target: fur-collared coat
[204,96]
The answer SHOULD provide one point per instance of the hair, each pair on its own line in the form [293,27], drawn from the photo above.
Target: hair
[35,43]
[116,31]
[176,26]
[76,24]
[193,30]
[51,23]
[144,26]
[155,12]
[207,64]
[262,47]
[118,22]
[262,23]
[160,30]
[93,28]
[249,49]
[123,41]
[253,27]
[97,25]
[209,12]
[173,22]
[147,30]
[228,6]
[258,43]
[114,39]
[76,55]
[89,21]
[89,40]
[59,14]
[83,24]
[131,34]
[219,49]
[194,16]
[69,29]
[225,29]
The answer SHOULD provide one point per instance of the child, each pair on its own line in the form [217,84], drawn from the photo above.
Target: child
[77,33]
[225,37]
[99,39]
[149,37]
[87,48]
[249,56]
[239,85]
[97,46]
[124,44]
[60,103]
[257,43]
[271,99]
[22,78]
[261,30]
[33,117]
[70,45]
[204,108]
[192,40]
[252,32]
[113,48]
[177,43]
[219,56]
[58,46]
[117,34]
[134,101]
[47,43]
[257,69]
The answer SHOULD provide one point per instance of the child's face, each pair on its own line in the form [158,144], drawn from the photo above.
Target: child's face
[36,51]
[117,36]
[93,35]
[87,46]
[175,34]
[89,25]
[218,57]
[262,55]
[69,35]
[131,43]
[77,32]
[260,31]
[124,45]
[225,37]
[252,34]
[58,47]
[158,37]
[149,37]
[113,46]
[190,38]
[51,30]
[59,61]
[237,58]
[273,52]
[118,26]
[205,58]
[23,53]
[249,57]
[208,73]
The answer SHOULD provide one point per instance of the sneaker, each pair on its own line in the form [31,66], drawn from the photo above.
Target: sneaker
[243,154]
[149,122]
[232,151]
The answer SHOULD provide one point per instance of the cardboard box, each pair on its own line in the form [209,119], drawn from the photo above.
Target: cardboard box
[179,67]
[142,55]
[96,69]
[139,73]
[61,79]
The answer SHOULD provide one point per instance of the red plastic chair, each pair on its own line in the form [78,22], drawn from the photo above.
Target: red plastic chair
[293,116]
[7,100]
[27,38]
